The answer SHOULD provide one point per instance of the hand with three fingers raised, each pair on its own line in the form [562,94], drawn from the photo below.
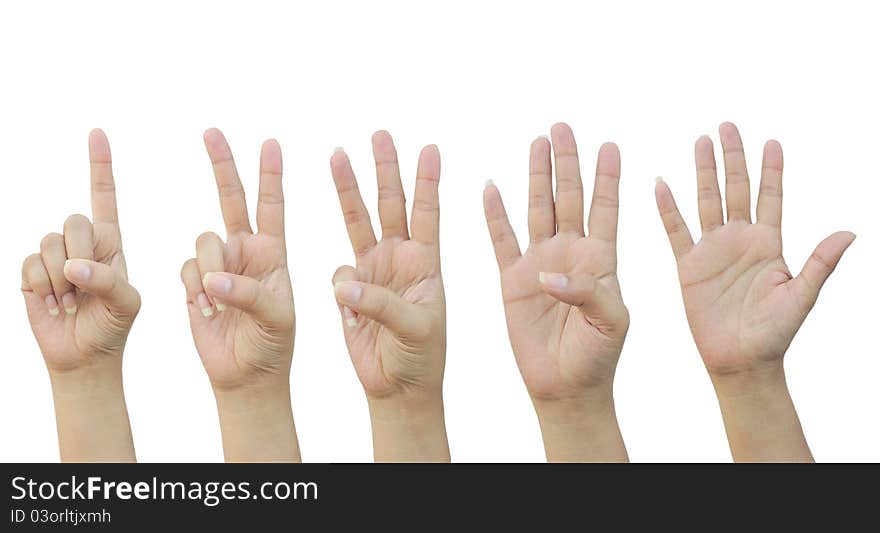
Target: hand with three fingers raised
[241,312]
[565,315]
[393,307]
[742,302]
[81,308]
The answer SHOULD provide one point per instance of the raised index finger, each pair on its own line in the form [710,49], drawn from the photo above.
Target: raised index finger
[232,201]
[103,187]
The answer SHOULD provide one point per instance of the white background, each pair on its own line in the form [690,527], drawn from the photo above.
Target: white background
[481,80]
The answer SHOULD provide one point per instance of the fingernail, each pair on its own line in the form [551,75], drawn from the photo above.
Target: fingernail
[489,183]
[659,179]
[204,304]
[350,318]
[69,302]
[217,283]
[52,304]
[543,137]
[220,306]
[79,271]
[349,293]
[338,149]
[553,280]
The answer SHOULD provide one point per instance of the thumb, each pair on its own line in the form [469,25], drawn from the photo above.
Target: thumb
[248,295]
[820,265]
[106,284]
[601,307]
[380,304]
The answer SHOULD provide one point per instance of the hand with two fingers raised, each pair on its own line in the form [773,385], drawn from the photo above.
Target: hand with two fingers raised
[241,311]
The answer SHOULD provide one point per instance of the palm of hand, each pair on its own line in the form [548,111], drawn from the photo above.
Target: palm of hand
[742,303]
[71,340]
[385,360]
[558,351]
[739,309]
[233,345]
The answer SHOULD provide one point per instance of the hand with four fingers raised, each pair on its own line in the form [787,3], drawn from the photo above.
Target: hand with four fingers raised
[742,302]
[565,315]
[81,308]
[393,307]
[240,303]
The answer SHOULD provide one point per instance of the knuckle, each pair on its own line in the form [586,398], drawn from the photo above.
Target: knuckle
[539,201]
[187,267]
[390,192]
[569,184]
[76,220]
[208,237]
[603,200]
[270,198]
[230,190]
[424,205]
[50,240]
[735,177]
[707,192]
[135,302]
[771,191]
[31,265]
[823,263]
[354,216]
[674,226]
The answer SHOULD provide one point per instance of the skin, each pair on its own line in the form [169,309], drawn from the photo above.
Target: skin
[565,314]
[742,302]
[393,307]
[241,311]
[81,308]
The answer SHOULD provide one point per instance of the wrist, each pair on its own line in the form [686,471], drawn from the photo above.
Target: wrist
[409,428]
[95,379]
[90,412]
[564,410]
[752,382]
[759,415]
[582,428]
[256,422]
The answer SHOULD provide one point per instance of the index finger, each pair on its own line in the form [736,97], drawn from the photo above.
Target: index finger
[232,202]
[103,186]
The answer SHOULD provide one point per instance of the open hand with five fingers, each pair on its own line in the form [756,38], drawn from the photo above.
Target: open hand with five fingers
[81,308]
[392,304]
[241,311]
[742,302]
[565,315]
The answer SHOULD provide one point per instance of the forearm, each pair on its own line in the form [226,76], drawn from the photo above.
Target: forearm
[581,430]
[91,415]
[759,417]
[257,425]
[409,429]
